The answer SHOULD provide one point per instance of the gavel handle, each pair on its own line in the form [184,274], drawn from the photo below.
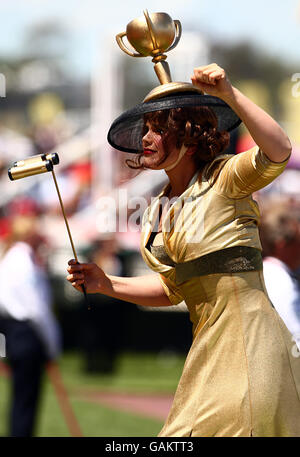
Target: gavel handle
[70,237]
[87,299]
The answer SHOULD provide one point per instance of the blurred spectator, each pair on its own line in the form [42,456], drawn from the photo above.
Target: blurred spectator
[280,236]
[26,320]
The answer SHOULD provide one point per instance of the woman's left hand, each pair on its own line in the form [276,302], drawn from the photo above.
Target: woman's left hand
[212,80]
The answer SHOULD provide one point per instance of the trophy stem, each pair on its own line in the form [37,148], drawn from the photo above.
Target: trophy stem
[162,71]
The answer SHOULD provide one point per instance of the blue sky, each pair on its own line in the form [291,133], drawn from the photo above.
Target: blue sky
[273,25]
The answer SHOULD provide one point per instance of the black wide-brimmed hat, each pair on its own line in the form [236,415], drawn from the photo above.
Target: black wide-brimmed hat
[125,133]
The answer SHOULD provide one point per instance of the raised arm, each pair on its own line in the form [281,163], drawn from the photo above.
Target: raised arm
[265,131]
[142,290]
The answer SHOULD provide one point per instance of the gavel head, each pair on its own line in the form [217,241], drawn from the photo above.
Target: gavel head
[33,165]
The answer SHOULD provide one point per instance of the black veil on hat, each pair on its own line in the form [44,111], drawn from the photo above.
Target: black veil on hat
[125,133]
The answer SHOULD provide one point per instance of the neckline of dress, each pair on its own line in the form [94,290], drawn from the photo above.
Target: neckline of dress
[194,178]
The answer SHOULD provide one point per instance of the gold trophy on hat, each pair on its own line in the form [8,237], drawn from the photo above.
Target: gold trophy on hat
[154,35]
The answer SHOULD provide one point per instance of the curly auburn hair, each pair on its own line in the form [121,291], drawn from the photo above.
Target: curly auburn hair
[191,126]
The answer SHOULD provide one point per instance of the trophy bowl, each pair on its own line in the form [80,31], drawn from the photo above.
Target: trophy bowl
[153,35]
[159,37]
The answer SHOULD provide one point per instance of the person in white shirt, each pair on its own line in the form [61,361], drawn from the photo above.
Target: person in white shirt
[26,319]
[280,237]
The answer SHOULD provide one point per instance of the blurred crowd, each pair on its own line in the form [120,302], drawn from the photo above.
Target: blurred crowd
[31,231]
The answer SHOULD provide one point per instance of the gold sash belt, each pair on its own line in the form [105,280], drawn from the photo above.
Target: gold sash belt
[237,259]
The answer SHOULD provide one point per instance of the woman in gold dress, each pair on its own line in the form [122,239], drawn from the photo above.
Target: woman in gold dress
[240,377]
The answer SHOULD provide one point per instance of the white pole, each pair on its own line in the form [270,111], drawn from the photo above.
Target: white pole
[107,94]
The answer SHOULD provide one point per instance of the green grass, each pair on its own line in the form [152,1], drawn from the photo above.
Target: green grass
[149,373]
[139,373]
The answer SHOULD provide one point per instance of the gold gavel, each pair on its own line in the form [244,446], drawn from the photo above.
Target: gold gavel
[36,165]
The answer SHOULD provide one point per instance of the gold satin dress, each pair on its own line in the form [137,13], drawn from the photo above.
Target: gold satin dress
[242,374]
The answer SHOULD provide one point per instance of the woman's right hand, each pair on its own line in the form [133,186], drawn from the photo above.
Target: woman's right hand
[89,274]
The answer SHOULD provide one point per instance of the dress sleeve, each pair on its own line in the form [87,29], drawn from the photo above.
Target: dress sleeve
[172,291]
[248,172]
